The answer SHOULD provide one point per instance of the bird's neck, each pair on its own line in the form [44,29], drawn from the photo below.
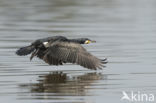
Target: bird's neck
[76,41]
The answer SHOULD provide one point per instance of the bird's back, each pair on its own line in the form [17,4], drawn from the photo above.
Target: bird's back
[49,39]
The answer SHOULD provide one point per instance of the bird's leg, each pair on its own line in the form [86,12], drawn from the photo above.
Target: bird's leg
[34,54]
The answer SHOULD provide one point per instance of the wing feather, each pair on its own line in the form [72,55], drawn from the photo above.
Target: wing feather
[68,52]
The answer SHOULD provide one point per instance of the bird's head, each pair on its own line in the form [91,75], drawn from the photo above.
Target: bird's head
[87,41]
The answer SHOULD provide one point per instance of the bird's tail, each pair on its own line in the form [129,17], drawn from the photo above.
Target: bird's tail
[25,50]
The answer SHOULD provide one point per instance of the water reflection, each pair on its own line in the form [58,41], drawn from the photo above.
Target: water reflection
[62,83]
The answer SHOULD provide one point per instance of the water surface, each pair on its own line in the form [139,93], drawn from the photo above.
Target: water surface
[125,34]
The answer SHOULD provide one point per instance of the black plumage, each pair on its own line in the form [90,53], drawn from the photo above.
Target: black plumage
[58,50]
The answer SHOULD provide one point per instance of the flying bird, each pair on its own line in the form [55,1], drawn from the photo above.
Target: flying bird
[58,50]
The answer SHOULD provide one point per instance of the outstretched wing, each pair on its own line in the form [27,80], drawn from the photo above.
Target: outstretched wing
[68,52]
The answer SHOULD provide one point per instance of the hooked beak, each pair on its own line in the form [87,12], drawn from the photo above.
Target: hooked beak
[93,41]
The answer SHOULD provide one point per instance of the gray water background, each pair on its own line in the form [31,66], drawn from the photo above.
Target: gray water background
[125,34]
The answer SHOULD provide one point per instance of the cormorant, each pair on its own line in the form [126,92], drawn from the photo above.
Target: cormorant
[57,50]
